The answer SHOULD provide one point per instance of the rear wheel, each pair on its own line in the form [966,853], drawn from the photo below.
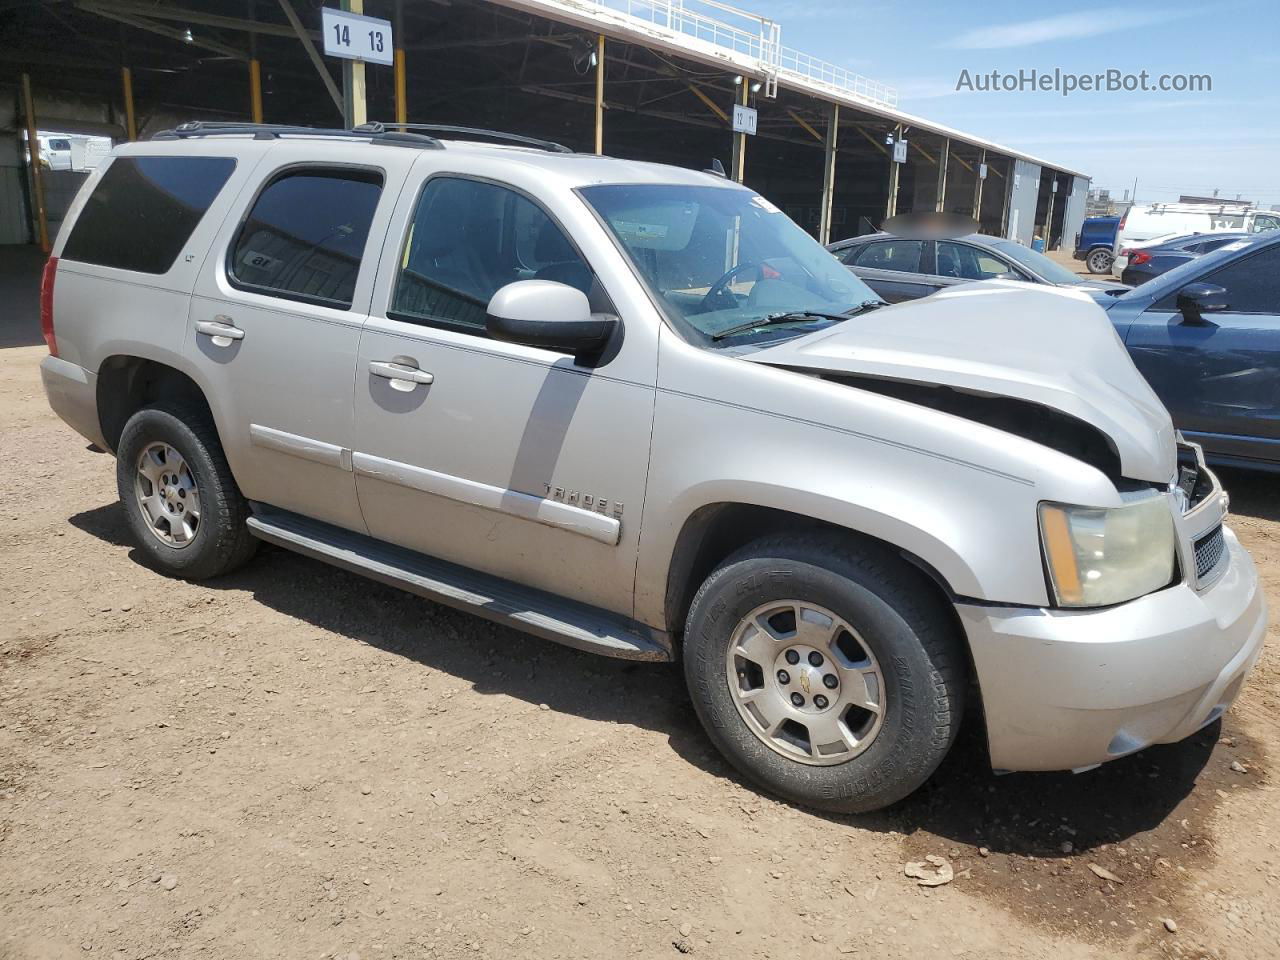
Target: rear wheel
[180,500]
[1099,261]
[828,672]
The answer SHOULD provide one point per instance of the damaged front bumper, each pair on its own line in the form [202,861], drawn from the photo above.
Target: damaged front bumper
[1069,689]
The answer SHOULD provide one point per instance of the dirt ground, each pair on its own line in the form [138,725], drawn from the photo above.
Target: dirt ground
[293,762]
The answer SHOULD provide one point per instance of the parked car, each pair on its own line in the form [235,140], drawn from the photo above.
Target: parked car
[1095,243]
[55,152]
[1206,335]
[1163,221]
[900,269]
[1150,260]
[637,410]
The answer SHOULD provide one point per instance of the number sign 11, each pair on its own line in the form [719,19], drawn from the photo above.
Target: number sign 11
[355,37]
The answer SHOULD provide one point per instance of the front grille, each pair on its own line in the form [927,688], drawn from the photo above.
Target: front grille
[1211,550]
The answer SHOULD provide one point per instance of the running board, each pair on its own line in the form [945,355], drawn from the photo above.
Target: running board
[531,611]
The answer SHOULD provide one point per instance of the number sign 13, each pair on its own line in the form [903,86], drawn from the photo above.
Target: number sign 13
[355,37]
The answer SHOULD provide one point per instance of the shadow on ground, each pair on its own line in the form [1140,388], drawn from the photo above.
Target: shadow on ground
[964,803]
[1253,493]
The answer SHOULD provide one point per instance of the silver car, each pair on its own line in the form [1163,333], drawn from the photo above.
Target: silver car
[637,410]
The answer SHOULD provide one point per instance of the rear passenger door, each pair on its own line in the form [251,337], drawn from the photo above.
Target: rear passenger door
[512,460]
[892,268]
[276,316]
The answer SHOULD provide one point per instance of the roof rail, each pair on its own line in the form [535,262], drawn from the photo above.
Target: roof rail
[374,132]
[517,138]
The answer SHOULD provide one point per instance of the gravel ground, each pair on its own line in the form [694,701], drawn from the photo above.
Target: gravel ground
[293,762]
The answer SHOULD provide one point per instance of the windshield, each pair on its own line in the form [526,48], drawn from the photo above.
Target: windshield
[1036,262]
[721,258]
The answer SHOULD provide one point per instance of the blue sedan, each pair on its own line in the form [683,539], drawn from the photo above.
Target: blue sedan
[1206,335]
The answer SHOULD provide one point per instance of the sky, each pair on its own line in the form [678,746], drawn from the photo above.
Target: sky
[1172,142]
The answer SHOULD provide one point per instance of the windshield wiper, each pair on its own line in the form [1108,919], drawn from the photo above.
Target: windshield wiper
[792,316]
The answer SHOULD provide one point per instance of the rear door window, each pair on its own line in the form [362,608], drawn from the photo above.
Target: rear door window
[900,255]
[144,209]
[304,239]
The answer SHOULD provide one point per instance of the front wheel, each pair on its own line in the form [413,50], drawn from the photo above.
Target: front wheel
[827,671]
[1099,261]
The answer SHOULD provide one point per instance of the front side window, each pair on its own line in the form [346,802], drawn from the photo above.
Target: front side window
[721,259]
[306,234]
[900,255]
[1263,224]
[144,210]
[1252,283]
[467,240]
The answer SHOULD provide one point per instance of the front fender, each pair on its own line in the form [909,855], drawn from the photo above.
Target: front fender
[960,496]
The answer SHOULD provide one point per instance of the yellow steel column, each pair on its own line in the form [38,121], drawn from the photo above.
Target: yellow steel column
[255,70]
[130,124]
[600,95]
[37,180]
[255,90]
[402,102]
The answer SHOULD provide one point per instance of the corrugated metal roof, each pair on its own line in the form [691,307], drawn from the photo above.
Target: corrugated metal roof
[735,40]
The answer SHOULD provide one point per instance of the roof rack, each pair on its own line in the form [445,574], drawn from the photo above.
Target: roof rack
[374,132]
[548,145]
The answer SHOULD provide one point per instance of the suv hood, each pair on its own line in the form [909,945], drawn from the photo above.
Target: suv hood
[1040,344]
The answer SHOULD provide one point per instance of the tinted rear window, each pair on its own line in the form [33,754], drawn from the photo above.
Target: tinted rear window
[143,211]
[305,236]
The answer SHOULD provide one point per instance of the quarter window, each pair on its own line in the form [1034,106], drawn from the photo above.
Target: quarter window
[967,263]
[144,209]
[306,234]
[900,255]
[468,239]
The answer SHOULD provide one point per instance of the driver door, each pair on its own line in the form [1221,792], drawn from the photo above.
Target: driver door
[1220,378]
[512,460]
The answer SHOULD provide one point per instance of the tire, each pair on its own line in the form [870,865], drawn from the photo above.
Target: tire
[218,541]
[896,622]
[1099,261]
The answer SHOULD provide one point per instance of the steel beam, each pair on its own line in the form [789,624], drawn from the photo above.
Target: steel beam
[943,157]
[600,95]
[314,55]
[891,206]
[829,175]
[41,225]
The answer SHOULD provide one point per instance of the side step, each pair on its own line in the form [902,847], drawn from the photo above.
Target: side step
[532,611]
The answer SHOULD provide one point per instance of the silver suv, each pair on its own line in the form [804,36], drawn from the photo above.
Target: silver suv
[637,410]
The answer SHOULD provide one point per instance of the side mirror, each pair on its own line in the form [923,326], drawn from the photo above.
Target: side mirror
[554,316]
[1197,299]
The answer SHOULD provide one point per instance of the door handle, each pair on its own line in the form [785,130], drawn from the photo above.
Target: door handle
[221,329]
[398,371]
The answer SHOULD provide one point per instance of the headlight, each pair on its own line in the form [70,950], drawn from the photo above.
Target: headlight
[1103,556]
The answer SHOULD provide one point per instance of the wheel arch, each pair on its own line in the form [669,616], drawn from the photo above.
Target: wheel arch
[715,531]
[127,383]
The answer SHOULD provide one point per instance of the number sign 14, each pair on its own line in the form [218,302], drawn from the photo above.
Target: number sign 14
[355,37]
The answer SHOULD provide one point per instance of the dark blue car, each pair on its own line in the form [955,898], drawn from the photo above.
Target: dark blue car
[1095,243]
[1206,335]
